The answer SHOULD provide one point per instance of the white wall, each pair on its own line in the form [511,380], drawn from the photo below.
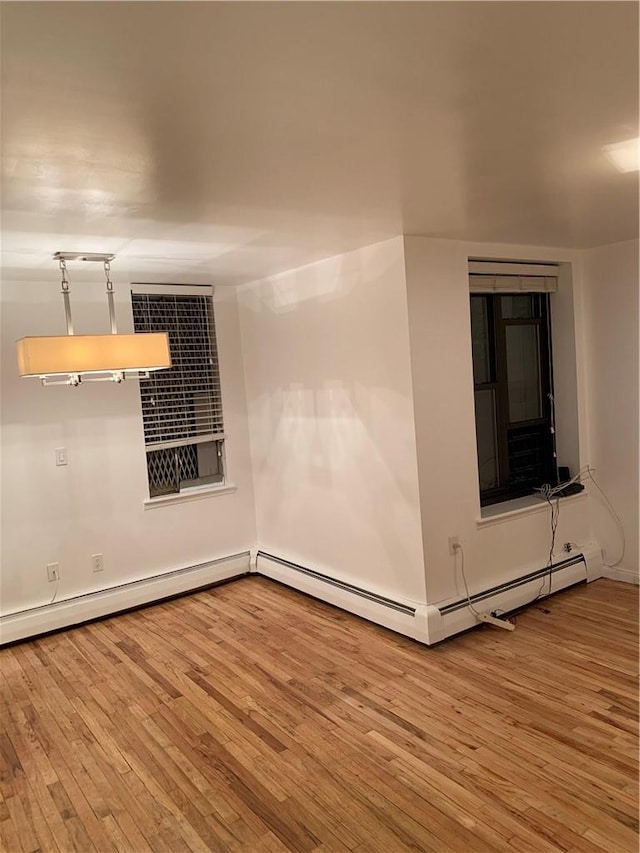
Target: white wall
[349,479]
[611,337]
[328,382]
[95,503]
[442,370]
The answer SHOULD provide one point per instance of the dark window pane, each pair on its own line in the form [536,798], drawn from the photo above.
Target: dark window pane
[486,439]
[513,429]
[523,373]
[528,451]
[521,306]
[480,340]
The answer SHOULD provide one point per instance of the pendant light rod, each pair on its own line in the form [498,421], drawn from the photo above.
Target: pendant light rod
[94,257]
[112,310]
[66,295]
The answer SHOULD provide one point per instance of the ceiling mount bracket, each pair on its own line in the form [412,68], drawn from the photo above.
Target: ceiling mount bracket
[98,257]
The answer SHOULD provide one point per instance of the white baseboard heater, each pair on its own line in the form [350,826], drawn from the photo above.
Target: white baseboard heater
[456,616]
[349,587]
[405,617]
[430,623]
[427,623]
[86,607]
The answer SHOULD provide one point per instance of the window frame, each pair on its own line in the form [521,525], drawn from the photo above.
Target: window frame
[216,439]
[498,384]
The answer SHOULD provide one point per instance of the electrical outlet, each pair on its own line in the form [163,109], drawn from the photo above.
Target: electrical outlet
[97,562]
[453,541]
[53,572]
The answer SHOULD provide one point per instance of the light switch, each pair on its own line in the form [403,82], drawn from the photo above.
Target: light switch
[61,455]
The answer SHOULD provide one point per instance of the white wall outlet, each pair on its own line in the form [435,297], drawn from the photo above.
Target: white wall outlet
[97,562]
[53,571]
[453,541]
[61,455]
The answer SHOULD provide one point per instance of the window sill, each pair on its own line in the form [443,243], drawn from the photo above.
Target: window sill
[191,495]
[519,508]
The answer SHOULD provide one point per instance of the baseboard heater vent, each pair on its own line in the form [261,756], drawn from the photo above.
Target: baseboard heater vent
[539,574]
[343,585]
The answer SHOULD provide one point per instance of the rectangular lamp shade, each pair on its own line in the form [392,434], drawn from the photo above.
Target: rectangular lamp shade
[50,356]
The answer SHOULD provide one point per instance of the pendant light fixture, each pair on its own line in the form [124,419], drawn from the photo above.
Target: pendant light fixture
[71,359]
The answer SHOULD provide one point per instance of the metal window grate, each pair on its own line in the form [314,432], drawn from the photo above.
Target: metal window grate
[184,402]
[168,467]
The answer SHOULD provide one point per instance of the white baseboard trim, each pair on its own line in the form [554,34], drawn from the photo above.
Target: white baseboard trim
[106,602]
[619,574]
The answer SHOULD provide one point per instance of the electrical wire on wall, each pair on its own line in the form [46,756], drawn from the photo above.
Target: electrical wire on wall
[481,616]
[615,517]
[55,591]
[553,493]
[555,518]
[585,473]
[460,550]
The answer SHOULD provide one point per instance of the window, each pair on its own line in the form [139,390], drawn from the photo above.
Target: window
[513,393]
[181,406]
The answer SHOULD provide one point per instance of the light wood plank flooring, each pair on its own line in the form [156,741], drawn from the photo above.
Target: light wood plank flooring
[252,718]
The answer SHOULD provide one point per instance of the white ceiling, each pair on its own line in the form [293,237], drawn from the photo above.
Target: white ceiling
[231,140]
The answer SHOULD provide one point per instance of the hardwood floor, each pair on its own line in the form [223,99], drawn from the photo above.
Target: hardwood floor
[252,718]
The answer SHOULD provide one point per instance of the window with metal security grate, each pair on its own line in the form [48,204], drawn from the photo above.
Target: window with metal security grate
[181,406]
